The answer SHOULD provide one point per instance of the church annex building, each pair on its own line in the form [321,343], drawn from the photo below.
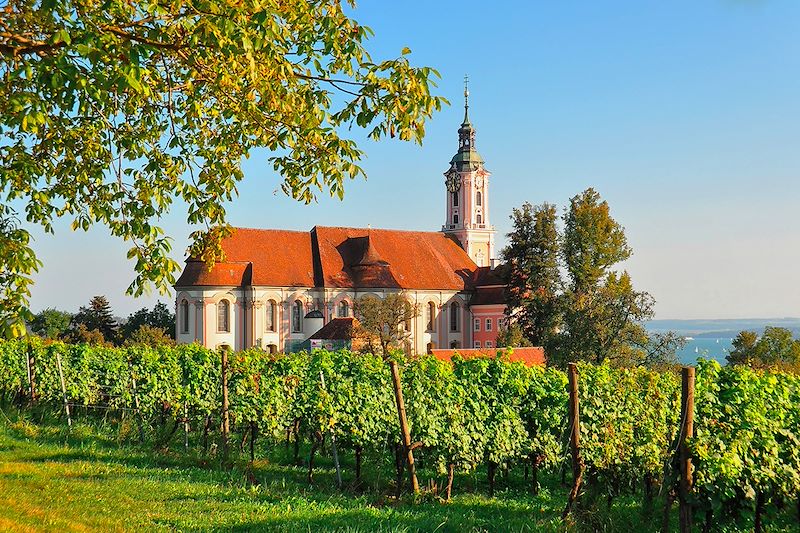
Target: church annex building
[276,288]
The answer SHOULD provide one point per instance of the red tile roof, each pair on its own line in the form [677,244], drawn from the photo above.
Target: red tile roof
[279,258]
[337,329]
[337,257]
[530,356]
[395,259]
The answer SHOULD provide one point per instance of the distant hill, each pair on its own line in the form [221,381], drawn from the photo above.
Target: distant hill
[721,328]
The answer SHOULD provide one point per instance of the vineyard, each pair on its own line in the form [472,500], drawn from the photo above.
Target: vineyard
[466,416]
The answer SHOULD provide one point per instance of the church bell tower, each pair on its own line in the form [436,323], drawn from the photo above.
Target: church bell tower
[467,183]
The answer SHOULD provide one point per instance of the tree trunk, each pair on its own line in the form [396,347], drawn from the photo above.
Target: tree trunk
[450,474]
[314,446]
[296,441]
[492,470]
[404,429]
[648,494]
[667,510]
[758,527]
[709,520]
[206,429]
[359,453]
[253,433]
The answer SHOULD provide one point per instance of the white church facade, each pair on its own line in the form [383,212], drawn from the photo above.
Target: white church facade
[276,288]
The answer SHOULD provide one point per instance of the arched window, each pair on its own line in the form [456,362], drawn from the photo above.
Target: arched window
[297,317]
[478,198]
[455,345]
[455,316]
[431,316]
[272,311]
[344,309]
[455,218]
[223,316]
[455,199]
[184,316]
[480,219]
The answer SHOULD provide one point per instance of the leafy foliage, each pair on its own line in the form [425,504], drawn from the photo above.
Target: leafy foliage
[112,114]
[776,348]
[465,413]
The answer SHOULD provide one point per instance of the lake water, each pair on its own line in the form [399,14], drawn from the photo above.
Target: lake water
[705,348]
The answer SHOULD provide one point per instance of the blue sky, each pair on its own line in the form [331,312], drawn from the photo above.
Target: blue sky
[684,115]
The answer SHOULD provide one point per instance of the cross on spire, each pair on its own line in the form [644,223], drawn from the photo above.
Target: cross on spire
[466,99]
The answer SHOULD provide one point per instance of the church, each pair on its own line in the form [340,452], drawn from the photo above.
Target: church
[277,288]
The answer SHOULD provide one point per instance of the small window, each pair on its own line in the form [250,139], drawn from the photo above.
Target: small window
[476,344]
[455,317]
[272,348]
[344,309]
[489,344]
[184,316]
[223,316]
[478,199]
[454,345]
[455,199]
[488,324]
[455,218]
[476,324]
[480,219]
[297,317]
[431,316]
[271,310]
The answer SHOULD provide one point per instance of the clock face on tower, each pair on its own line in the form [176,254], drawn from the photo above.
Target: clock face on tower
[453,180]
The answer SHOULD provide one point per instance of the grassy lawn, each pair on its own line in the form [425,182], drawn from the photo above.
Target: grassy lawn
[85,480]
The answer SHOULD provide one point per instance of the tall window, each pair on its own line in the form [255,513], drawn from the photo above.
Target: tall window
[478,198]
[297,317]
[223,316]
[455,317]
[476,324]
[455,199]
[430,316]
[488,324]
[184,316]
[344,309]
[272,309]
[480,219]
[455,218]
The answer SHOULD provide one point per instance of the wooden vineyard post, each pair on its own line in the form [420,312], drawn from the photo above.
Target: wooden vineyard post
[333,443]
[685,461]
[136,405]
[31,380]
[63,389]
[574,438]
[225,415]
[406,434]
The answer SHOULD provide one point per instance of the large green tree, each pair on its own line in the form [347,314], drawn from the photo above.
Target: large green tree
[112,112]
[159,317]
[50,323]
[593,313]
[532,274]
[775,348]
[603,312]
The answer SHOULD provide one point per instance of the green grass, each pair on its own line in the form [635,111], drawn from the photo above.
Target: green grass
[90,479]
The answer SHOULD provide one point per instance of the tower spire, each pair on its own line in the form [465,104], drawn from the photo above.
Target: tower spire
[466,99]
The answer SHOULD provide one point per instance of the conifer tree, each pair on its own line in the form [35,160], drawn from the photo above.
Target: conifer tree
[98,316]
